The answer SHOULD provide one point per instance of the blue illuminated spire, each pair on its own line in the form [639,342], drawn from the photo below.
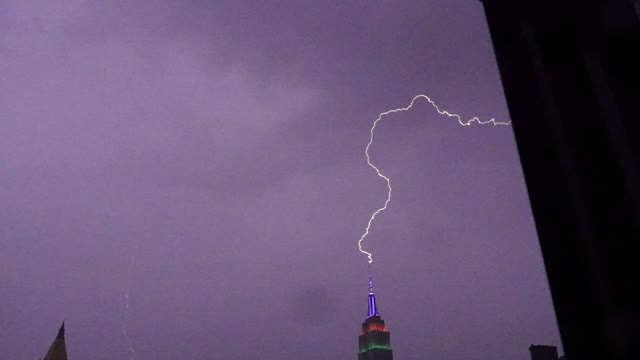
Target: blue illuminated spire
[373,310]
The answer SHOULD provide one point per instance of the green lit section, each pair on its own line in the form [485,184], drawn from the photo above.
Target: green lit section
[375,346]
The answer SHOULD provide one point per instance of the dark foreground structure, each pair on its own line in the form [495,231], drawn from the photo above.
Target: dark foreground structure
[543,352]
[58,349]
[571,76]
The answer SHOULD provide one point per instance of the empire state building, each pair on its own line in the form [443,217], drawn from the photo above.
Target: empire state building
[375,341]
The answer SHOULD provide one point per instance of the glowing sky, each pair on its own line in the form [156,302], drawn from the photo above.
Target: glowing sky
[220,144]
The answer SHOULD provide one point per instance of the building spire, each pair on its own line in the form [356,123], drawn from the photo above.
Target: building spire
[370,284]
[373,310]
[58,349]
[61,331]
[375,340]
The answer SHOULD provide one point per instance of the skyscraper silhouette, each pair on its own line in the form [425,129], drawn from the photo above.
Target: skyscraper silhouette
[375,341]
[570,75]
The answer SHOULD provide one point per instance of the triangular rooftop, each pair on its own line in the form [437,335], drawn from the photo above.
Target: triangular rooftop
[58,350]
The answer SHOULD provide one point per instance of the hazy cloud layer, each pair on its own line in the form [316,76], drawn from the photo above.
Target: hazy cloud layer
[207,158]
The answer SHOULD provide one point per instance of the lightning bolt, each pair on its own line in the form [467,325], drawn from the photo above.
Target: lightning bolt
[125,315]
[386,178]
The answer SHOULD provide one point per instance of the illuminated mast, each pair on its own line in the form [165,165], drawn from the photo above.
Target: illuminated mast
[375,341]
[372,300]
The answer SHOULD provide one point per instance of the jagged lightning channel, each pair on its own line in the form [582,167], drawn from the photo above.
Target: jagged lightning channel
[125,314]
[386,178]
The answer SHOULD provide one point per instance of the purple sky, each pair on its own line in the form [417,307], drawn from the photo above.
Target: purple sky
[219,145]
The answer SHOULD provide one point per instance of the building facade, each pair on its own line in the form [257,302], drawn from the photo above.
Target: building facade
[375,340]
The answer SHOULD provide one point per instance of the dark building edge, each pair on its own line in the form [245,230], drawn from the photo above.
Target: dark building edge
[571,76]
